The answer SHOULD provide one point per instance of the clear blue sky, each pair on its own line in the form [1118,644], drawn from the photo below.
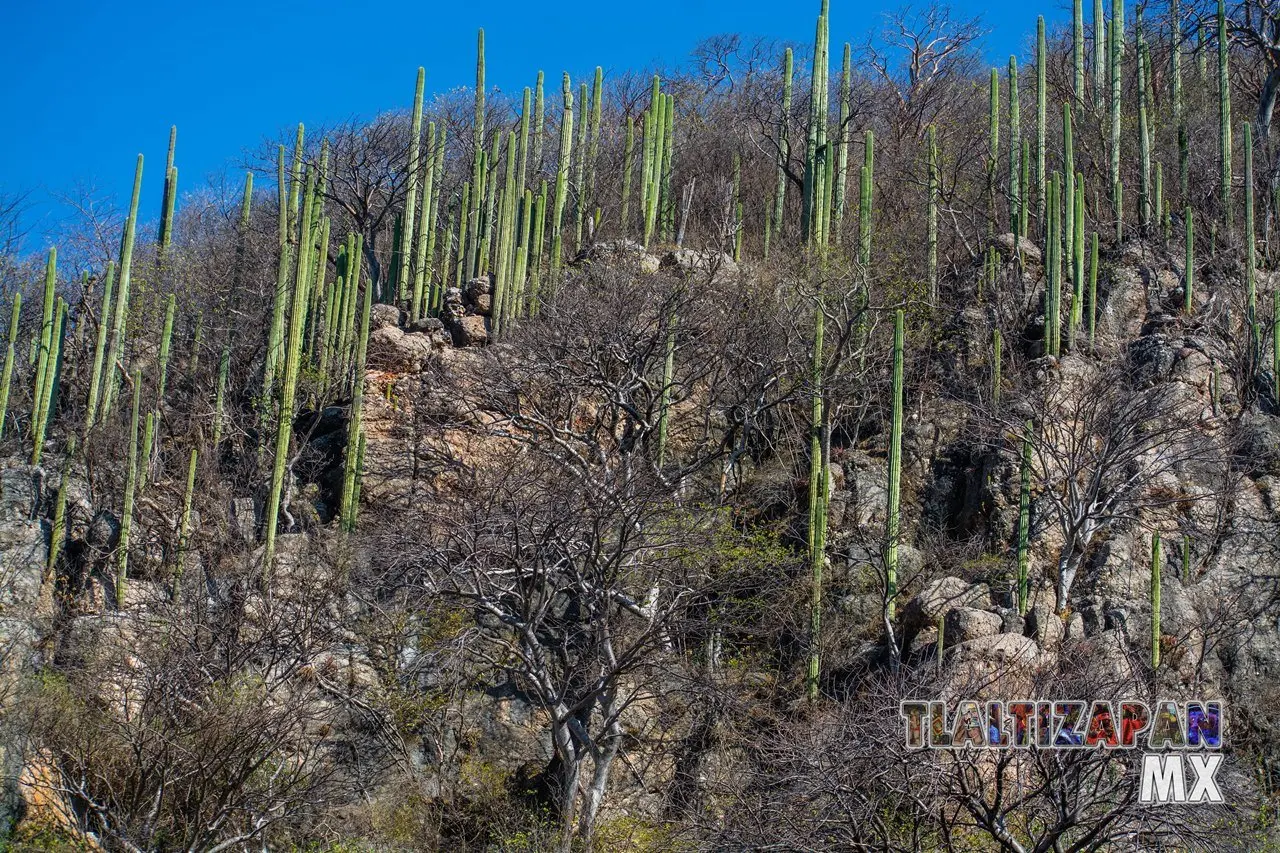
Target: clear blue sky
[89,85]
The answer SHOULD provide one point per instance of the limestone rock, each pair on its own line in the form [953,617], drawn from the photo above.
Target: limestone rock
[382,316]
[1045,627]
[393,350]
[970,623]
[937,598]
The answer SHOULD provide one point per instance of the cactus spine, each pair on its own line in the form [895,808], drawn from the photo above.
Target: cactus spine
[1024,522]
[894,520]
[130,486]
[1155,600]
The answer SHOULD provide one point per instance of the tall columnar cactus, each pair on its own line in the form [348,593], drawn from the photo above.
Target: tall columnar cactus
[580,164]
[100,348]
[275,329]
[522,175]
[894,515]
[1069,188]
[414,166]
[1116,53]
[1162,220]
[1189,262]
[1053,262]
[1024,522]
[842,159]
[784,145]
[817,498]
[1077,51]
[295,179]
[593,141]
[931,226]
[1156,559]
[628,175]
[48,321]
[289,384]
[562,181]
[1186,559]
[1015,151]
[355,434]
[473,214]
[1041,120]
[1077,262]
[668,160]
[539,124]
[167,201]
[58,534]
[815,148]
[1224,118]
[6,378]
[45,404]
[1024,183]
[1099,53]
[130,487]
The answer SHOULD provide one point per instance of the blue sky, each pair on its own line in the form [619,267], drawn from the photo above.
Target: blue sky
[89,85]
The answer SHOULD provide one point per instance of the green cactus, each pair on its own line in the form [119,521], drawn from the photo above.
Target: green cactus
[1077,262]
[580,166]
[1069,188]
[1161,219]
[817,505]
[667,226]
[593,139]
[842,158]
[668,377]
[1053,266]
[275,330]
[1224,118]
[1024,182]
[289,384]
[1155,599]
[628,170]
[1077,52]
[815,148]
[166,339]
[1186,559]
[539,124]
[59,532]
[148,435]
[1024,522]
[165,237]
[99,350]
[562,180]
[48,323]
[523,168]
[1189,264]
[1099,53]
[220,396]
[411,192]
[295,180]
[354,455]
[130,487]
